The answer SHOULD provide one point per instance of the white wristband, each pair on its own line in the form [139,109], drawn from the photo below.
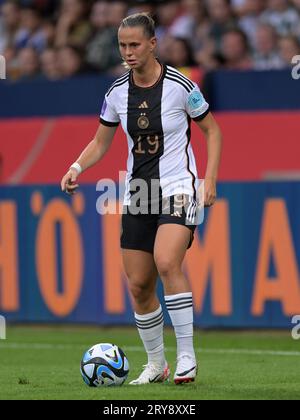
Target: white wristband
[77,167]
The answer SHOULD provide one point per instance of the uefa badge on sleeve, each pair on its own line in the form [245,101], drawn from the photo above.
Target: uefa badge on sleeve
[196,100]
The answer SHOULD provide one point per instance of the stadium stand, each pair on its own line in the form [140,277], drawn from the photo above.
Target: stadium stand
[65,38]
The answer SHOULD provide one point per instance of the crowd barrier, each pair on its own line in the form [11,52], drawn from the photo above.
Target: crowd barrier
[253,90]
[225,91]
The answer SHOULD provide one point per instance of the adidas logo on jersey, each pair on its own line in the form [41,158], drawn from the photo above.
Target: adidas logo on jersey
[176,214]
[143,105]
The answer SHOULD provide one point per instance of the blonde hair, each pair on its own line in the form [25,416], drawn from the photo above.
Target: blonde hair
[140,19]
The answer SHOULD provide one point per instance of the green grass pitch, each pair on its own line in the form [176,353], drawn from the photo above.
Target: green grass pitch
[43,363]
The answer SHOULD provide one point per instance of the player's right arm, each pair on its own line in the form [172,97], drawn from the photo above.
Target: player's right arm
[94,152]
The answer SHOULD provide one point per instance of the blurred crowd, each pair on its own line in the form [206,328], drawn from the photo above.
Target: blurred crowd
[58,39]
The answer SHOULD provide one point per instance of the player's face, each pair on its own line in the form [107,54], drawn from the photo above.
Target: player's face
[135,47]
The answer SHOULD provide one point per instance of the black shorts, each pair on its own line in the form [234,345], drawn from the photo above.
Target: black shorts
[139,230]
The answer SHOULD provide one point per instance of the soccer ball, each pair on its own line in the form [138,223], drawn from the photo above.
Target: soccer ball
[104,365]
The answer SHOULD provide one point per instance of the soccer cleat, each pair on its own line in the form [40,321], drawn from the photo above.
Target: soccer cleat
[151,374]
[186,369]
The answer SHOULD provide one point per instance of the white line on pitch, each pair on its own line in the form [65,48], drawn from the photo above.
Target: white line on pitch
[248,352]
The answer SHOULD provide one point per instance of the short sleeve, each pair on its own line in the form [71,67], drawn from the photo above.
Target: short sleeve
[196,106]
[109,116]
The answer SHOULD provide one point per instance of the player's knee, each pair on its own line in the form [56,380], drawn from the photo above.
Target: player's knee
[140,293]
[166,267]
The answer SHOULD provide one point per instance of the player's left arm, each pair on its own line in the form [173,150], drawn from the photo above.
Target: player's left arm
[213,135]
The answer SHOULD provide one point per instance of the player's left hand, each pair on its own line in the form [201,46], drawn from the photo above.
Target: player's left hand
[210,192]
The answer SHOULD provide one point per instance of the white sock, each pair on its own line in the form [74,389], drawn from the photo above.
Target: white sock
[180,308]
[150,328]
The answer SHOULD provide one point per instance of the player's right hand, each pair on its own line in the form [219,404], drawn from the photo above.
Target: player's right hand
[68,183]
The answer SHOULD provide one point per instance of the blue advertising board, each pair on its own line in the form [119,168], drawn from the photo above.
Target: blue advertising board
[60,259]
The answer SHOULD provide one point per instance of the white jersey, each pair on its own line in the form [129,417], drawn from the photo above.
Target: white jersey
[157,123]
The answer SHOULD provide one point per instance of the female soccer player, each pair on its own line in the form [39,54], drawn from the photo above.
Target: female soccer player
[155,104]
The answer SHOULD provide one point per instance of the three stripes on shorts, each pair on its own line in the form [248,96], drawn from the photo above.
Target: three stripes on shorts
[191,212]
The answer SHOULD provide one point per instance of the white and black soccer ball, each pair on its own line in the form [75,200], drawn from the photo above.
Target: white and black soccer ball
[104,364]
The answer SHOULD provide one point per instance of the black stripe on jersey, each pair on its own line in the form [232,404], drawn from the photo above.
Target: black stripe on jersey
[202,116]
[179,81]
[116,85]
[145,160]
[188,134]
[181,76]
[121,78]
[108,123]
[119,82]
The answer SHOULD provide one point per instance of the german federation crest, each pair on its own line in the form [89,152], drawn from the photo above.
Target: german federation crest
[143,122]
